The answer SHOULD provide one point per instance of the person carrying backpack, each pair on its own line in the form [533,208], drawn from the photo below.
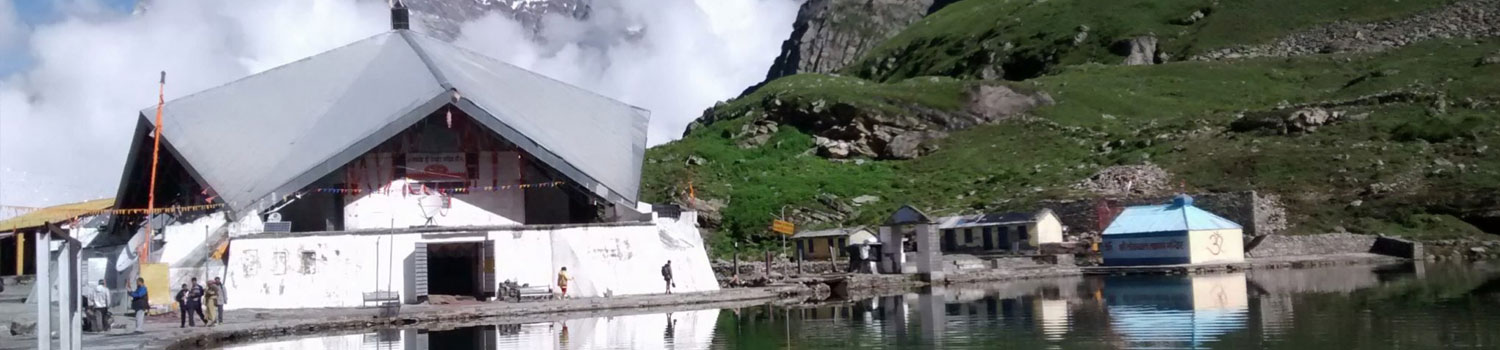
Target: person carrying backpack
[666,274]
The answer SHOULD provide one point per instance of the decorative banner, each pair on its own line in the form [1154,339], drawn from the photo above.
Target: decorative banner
[423,189]
[137,211]
[436,167]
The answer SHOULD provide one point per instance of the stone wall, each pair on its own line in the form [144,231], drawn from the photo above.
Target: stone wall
[1324,244]
[1397,247]
[1259,213]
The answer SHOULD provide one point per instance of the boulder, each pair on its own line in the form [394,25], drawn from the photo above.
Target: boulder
[1287,121]
[709,210]
[1492,58]
[865,199]
[22,328]
[755,134]
[998,102]
[1139,51]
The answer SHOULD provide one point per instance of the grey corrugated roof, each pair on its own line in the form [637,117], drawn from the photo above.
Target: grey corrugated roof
[829,232]
[959,221]
[272,133]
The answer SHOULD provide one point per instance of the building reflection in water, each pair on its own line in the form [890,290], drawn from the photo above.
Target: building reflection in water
[676,330]
[1172,311]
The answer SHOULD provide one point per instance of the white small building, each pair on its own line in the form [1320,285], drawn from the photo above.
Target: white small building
[1171,234]
[999,231]
[825,244]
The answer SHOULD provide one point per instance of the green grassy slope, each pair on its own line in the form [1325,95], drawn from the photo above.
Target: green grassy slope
[1029,37]
[1401,161]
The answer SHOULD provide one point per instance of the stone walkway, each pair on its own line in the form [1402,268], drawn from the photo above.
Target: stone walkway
[162,332]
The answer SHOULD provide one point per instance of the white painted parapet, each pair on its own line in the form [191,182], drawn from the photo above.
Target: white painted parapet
[333,269]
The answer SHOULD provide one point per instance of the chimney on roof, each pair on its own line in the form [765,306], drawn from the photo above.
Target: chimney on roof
[400,16]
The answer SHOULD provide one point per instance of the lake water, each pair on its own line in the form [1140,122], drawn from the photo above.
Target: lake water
[1392,307]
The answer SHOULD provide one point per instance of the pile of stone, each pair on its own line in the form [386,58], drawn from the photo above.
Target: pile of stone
[1128,180]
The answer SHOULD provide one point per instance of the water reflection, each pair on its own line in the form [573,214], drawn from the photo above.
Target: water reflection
[677,330]
[1410,306]
[1175,312]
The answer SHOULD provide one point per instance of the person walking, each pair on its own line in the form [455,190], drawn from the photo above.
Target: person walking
[562,281]
[666,274]
[139,304]
[99,307]
[223,299]
[194,304]
[211,301]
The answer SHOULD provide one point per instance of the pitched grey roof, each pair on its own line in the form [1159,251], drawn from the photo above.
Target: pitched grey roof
[264,136]
[841,231]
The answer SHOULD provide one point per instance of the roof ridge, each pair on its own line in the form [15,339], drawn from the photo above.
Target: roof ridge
[461,48]
[426,60]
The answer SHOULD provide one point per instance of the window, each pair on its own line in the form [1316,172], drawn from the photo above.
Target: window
[968,235]
[309,262]
[842,242]
[1022,231]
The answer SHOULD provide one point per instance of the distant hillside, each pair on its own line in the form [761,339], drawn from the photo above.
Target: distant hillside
[1370,117]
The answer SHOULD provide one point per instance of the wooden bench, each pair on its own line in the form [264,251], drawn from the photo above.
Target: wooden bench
[388,301]
[381,297]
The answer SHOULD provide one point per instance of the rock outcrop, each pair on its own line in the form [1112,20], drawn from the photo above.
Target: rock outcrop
[1138,51]
[844,130]
[1465,19]
[1290,121]
[829,34]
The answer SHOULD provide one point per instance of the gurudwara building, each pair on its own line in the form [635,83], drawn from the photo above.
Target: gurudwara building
[399,164]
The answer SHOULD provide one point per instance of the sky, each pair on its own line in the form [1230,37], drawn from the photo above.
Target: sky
[73,73]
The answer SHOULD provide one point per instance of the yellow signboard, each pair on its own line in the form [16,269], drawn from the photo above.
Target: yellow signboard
[158,285]
[783,227]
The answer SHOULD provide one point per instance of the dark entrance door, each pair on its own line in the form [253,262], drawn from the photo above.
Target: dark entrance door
[1004,236]
[948,238]
[989,242]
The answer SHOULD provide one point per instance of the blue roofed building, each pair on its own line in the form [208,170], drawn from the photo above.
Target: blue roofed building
[1170,234]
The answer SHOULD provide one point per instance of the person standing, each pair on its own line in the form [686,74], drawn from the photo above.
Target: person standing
[223,299]
[562,281]
[211,301]
[182,306]
[666,274]
[139,304]
[99,307]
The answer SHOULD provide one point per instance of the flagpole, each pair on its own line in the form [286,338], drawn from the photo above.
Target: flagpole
[161,100]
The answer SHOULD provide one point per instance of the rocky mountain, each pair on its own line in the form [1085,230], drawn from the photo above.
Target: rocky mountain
[444,17]
[1350,116]
[829,34]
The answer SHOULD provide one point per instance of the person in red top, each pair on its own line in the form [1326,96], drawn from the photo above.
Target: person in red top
[562,281]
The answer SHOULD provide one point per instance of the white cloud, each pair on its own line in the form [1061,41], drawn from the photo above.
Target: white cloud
[65,121]
[12,31]
[673,57]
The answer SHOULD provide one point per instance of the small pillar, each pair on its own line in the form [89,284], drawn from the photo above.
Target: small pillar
[43,287]
[929,253]
[890,245]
